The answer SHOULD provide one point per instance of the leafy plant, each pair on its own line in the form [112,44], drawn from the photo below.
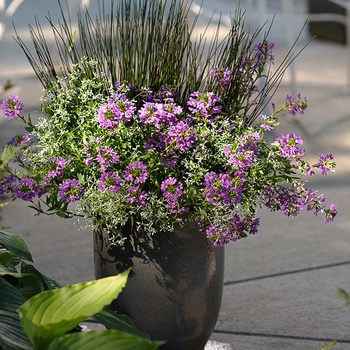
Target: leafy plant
[35,312]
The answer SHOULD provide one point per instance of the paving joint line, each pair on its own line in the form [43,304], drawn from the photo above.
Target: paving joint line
[291,272]
[281,336]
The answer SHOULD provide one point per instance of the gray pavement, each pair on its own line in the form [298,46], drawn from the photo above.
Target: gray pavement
[281,285]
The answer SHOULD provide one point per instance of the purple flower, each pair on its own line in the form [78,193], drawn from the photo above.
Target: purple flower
[181,136]
[234,230]
[151,113]
[245,156]
[59,164]
[12,107]
[331,213]
[136,196]
[109,181]
[136,172]
[172,189]
[19,139]
[107,116]
[264,53]
[6,183]
[169,160]
[26,189]
[123,108]
[204,104]
[71,190]
[223,189]
[297,106]
[116,111]
[177,208]
[266,123]
[326,163]
[223,77]
[107,157]
[288,145]
[217,235]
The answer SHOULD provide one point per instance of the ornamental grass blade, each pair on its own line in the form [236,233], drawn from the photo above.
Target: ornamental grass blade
[15,244]
[55,312]
[11,334]
[103,340]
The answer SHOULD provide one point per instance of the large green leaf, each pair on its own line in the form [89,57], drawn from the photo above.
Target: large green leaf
[119,322]
[103,340]
[5,257]
[55,312]
[11,334]
[48,283]
[16,245]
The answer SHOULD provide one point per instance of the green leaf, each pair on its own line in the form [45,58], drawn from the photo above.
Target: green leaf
[7,154]
[55,312]
[118,322]
[5,257]
[16,245]
[11,334]
[103,340]
[47,282]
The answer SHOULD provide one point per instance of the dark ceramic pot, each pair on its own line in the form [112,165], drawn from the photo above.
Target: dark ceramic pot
[175,287]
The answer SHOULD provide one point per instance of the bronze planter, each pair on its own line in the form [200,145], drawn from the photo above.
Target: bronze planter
[175,287]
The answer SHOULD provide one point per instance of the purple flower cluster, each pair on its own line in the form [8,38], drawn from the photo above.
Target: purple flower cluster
[136,172]
[292,201]
[58,165]
[222,78]
[12,107]
[297,106]
[6,183]
[288,146]
[159,113]
[204,105]
[110,181]
[198,161]
[107,157]
[165,94]
[172,190]
[26,189]
[19,140]
[224,189]
[181,136]
[236,229]
[117,110]
[136,196]
[246,154]
[264,53]
[326,163]
[71,190]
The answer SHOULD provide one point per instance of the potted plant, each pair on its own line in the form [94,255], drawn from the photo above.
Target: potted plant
[161,144]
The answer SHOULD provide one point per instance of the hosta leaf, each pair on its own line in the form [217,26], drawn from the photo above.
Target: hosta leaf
[6,257]
[46,281]
[11,334]
[103,340]
[118,322]
[16,245]
[55,312]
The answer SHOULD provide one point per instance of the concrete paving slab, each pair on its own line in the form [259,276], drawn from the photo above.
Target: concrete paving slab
[301,307]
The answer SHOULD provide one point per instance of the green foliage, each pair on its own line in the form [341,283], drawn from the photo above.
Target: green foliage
[328,346]
[52,313]
[35,312]
[342,293]
[106,340]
